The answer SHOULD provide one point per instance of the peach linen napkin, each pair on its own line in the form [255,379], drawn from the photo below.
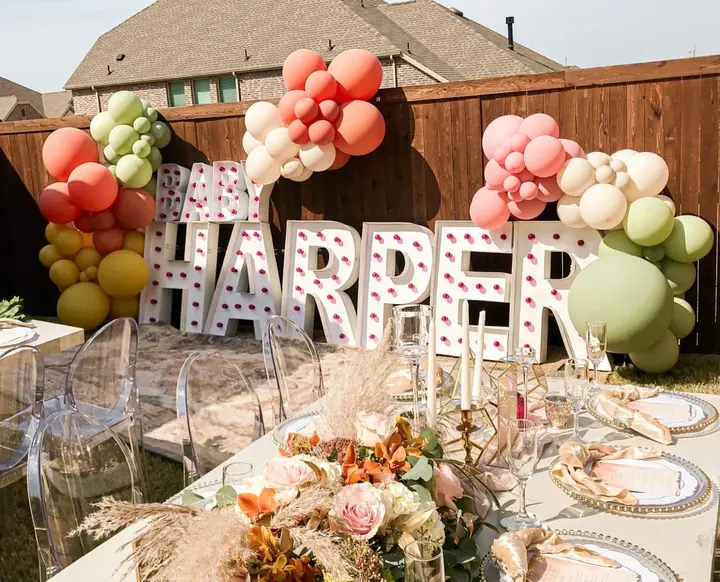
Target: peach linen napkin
[6,323]
[510,551]
[613,403]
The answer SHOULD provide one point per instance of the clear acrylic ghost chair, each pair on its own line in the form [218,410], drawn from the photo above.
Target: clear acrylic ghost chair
[74,461]
[293,364]
[219,411]
[22,380]
[101,383]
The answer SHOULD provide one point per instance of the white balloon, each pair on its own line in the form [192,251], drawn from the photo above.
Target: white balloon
[306,173]
[317,157]
[618,165]
[250,143]
[598,159]
[568,211]
[292,169]
[604,175]
[622,181]
[624,155]
[649,173]
[280,146]
[667,200]
[603,206]
[262,168]
[576,176]
[261,119]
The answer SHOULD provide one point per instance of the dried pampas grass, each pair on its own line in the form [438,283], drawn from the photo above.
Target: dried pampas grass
[324,546]
[315,499]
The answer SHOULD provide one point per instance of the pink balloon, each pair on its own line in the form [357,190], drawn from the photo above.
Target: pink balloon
[489,209]
[526,176]
[515,162]
[539,124]
[501,154]
[544,156]
[498,131]
[528,190]
[511,183]
[572,149]
[515,196]
[298,132]
[527,209]
[495,175]
[518,142]
[548,190]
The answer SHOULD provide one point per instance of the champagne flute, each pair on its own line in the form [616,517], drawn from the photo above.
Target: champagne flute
[424,562]
[521,454]
[595,344]
[525,357]
[576,387]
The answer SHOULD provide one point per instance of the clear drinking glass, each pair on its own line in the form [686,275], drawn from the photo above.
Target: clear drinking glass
[521,454]
[525,357]
[595,344]
[411,324]
[424,562]
[576,390]
[236,473]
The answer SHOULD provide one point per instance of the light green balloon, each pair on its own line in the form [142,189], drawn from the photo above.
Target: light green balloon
[101,126]
[679,295]
[113,170]
[111,155]
[141,125]
[151,114]
[148,138]
[660,356]
[125,107]
[155,158]
[617,242]
[151,187]
[690,240]
[122,138]
[133,172]
[161,133]
[145,104]
[627,292]
[683,319]
[680,276]
[654,254]
[648,221]
[141,149]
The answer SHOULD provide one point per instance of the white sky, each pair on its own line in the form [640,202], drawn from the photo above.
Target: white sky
[42,41]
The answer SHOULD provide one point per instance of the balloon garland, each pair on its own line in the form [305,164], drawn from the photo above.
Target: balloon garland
[98,211]
[322,121]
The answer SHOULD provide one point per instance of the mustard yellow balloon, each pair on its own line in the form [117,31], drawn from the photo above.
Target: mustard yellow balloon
[87,257]
[83,278]
[51,231]
[83,305]
[69,241]
[135,242]
[124,307]
[49,255]
[91,272]
[64,273]
[122,274]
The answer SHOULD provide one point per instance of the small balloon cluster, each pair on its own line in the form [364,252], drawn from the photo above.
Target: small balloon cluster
[322,121]
[524,157]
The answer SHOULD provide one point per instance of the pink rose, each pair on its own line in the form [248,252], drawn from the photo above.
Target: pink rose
[372,428]
[358,511]
[284,473]
[447,486]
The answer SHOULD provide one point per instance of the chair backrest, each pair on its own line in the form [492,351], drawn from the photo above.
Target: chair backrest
[219,410]
[291,362]
[74,461]
[22,380]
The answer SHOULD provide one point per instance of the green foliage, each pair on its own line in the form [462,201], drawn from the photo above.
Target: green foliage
[13,309]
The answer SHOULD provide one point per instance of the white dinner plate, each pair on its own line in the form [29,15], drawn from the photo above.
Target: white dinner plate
[15,336]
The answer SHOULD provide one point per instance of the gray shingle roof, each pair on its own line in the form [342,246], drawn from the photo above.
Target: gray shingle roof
[7,104]
[176,39]
[48,104]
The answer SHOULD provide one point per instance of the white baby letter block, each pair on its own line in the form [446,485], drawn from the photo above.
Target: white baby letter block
[258,199]
[381,286]
[197,205]
[454,283]
[172,183]
[195,275]
[537,294]
[249,286]
[229,193]
[305,286]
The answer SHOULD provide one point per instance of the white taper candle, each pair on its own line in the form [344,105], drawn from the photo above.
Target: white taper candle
[465,387]
[477,372]
[432,380]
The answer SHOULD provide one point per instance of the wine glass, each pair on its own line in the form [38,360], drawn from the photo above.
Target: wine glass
[525,357]
[424,562]
[521,454]
[411,324]
[576,388]
[595,344]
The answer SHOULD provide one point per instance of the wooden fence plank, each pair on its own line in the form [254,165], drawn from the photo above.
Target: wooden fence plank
[459,147]
[636,117]
[418,164]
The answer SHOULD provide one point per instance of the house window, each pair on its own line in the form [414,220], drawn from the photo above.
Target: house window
[176,93]
[201,91]
[227,90]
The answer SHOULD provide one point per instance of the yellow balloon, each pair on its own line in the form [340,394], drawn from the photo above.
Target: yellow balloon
[91,272]
[51,231]
[64,273]
[83,305]
[124,307]
[87,257]
[69,241]
[122,274]
[134,241]
[49,255]
[83,278]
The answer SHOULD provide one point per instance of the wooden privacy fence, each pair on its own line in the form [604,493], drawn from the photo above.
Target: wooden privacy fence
[431,161]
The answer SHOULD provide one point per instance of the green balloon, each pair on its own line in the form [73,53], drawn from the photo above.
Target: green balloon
[101,126]
[627,292]
[141,149]
[690,240]
[617,242]
[151,114]
[141,125]
[680,276]
[145,104]
[122,138]
[133,172]
[151,187]
[679,295]
[155,158]
[683,319]
[659,357]
[111,155]
[161,133]
[125,107]
[113,170]
[654,254]
[648,221]
[148,138]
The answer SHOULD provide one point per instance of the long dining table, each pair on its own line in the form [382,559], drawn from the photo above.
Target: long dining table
[684,541]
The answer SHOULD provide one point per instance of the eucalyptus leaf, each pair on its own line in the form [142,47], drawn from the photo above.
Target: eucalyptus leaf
[422,492]
[226,496]
[190,498]
[430,437]
[421,471]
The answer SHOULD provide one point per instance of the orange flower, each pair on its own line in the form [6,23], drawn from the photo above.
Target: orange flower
[299,444]
[255,507]
[367,470]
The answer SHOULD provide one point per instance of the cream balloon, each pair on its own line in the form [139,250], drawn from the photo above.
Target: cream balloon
[622,181]
[261,167]
[604,175]
[318,158]
[603,206]
[568,211]
[261,119]
[306,173]
[649,173]
[292,169]
[667,200]
[624,155]
[280,146]
[598,159]
[576,176]
[618,165]
[249,143]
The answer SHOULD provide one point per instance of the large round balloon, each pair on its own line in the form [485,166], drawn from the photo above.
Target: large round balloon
[360,129]
[576,176]
[279,145]
[133,172]
[317,158]
[298,67]
[122,138]
[286,106]
[660,356]
[526,209]
[648,222]
[690,240]
[261,167]
[489,209]
[250,143]
[124,307]
[67,148]
[261,118]
[630,294]
[103,220]
[568,211]
[83,305]
[603,206]
[55,204]
[91,186]
[69,241]
[101,126]
[498,131]
[108,241]
[125,107]
[544,156]
[321,86]
[358,74]
[683,319]
[134,208]
[539,124]
[122,274]
[680,276]
[617,242]
[341,159]
[649,174]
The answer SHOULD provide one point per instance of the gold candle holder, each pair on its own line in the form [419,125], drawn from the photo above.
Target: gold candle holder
[467,428]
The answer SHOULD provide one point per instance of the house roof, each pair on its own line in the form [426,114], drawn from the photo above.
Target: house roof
[54,104]
[208,37]
[7,104]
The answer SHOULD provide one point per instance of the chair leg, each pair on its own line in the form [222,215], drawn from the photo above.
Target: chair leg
[135,434]
[190,472]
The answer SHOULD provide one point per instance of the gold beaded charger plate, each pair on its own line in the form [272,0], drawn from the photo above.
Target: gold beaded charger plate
[304,424]
[633,559]
[693,488]
[399,384]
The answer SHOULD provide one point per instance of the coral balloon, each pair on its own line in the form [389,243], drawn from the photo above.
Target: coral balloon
[286,106]
[84,222]
[55,204]
[306,110]
[358,74]
[124,307]
[501,153]
[298,132]
[135,242]
[498,131]
[109,241]
[341,159]
[321,132]
[548,190]
[329,110]
[92,187]
[299,66]
[134,209]
[103,220]
[69,241]
[122,274]
[518,142]
[572,149]
[361,128]
[67,148]
[539,124]
[495,175]
[321,86]
[514,162]
[83,305]
[527,209]
[544,156]
[489,209]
